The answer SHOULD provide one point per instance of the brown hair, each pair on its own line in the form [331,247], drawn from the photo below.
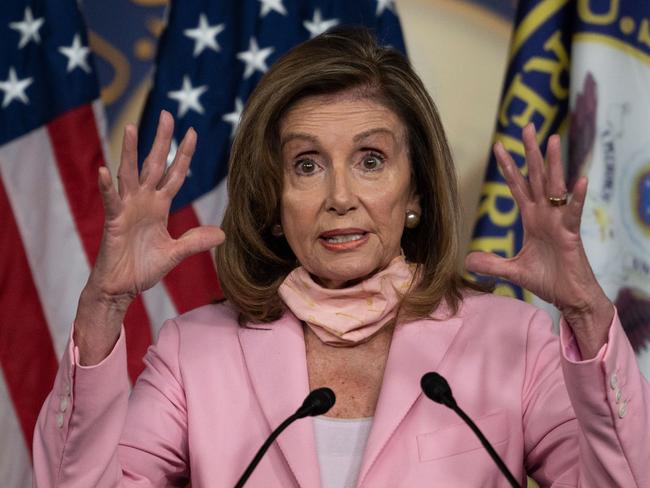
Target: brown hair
[252,263]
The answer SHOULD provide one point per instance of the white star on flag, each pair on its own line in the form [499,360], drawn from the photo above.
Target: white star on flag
[14,88]
[77,55]
[173,149]
[28,28]
[275,5]
[188,97]
[255,58]
[205,35]
[318,25]
[384,5]
[233,118]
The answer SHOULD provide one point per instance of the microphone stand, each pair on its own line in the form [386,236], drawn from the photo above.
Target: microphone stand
[488,447]
[317,402]
[437,389]
[262,450]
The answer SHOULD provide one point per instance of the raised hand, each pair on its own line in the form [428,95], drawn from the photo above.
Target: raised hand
[136,249]
[552,262]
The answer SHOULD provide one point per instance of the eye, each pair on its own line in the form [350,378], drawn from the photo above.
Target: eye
[372,161]
[305,167]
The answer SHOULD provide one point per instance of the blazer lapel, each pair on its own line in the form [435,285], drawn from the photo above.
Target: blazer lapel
[275,358]
[416,348]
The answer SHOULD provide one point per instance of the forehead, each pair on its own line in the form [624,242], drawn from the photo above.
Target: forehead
[347,113]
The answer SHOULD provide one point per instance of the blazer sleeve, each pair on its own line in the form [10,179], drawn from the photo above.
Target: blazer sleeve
[599,434]
[91,432]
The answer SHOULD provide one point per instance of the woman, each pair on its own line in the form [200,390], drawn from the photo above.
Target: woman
[339,270]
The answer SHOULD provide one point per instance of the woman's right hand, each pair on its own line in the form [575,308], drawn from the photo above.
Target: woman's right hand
[136,249]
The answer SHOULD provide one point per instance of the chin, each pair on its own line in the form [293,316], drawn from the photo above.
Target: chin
[343,275]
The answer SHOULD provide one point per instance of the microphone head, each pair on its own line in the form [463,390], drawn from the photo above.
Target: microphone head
[317,402]
[437,389]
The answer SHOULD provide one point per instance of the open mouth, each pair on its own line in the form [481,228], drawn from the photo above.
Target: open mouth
[343,238]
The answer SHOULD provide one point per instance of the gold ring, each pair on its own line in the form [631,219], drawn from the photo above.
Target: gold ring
[558,201]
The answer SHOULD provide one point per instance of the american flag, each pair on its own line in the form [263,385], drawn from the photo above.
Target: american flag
[210,57]
[50,211]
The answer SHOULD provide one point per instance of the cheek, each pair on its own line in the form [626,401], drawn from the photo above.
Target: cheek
[298,215]
[389,212]
[388,215]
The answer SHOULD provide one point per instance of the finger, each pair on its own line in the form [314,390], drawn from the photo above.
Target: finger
[535,163]
[110,198]
[555,185]
[516,182]
[175,176]
[577,203]
[127,173]
[156,161]
[197,240]
[486,263]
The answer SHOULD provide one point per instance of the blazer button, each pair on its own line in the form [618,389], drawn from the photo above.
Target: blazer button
[613,381]
[618,395]
[622,410]
[63,406]
[59,420]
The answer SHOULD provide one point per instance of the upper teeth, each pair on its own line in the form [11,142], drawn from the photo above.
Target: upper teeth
[346,238]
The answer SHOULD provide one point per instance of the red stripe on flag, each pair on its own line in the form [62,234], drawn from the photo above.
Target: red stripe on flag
[27,355]
[78,152]
[137,340]
[193,282]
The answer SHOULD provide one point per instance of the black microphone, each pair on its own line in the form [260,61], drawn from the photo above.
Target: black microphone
[437,389]
[317,402]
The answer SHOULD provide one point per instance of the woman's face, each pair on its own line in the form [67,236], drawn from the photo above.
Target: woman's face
[347,186]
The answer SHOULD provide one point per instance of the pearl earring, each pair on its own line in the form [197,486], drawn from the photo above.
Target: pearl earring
[276,230]
[412,219]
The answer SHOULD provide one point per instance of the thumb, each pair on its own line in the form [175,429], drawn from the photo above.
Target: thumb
[198,239]
[487,263]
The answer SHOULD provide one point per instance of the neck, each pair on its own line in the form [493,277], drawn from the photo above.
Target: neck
[355,373]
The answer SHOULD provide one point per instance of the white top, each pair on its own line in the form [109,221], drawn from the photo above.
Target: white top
[340,444]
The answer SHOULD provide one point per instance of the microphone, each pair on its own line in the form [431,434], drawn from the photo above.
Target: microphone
[317,402]
[437,389]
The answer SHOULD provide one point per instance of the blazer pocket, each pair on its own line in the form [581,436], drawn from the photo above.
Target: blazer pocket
[458,438]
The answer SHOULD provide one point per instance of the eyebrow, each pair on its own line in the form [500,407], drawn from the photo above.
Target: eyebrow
[359,137]
[372,132]
[298,135]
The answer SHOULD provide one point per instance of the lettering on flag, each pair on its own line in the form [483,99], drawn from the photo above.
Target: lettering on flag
[536,90]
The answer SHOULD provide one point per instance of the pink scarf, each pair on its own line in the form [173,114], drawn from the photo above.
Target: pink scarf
[347,316]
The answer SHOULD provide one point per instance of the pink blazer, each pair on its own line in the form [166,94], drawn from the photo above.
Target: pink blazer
[213,391]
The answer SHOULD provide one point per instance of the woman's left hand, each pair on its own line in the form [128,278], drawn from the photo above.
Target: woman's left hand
[552,262]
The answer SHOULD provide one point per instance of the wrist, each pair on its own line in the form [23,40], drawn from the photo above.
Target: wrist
[98,323]
[590,322]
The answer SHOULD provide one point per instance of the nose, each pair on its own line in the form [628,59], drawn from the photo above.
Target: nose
[341,197]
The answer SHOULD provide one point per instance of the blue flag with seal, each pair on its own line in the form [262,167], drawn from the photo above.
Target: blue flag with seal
[582,68]
[609,141]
